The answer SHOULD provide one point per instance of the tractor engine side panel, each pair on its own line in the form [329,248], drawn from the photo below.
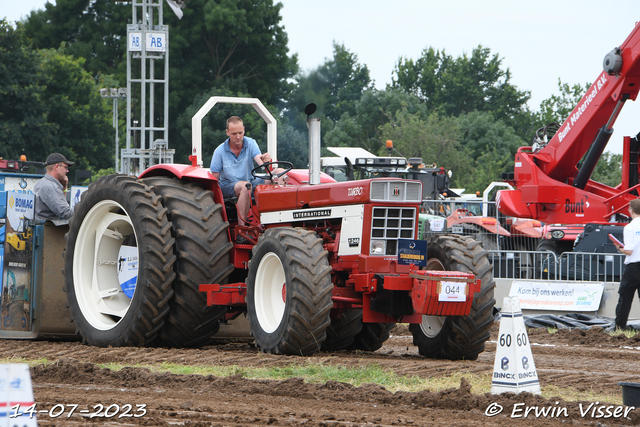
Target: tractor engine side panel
[351,226]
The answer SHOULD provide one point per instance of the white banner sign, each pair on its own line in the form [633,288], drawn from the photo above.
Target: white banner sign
[76,194]
[564,296]
[18,184]
[128,269]
[155,42]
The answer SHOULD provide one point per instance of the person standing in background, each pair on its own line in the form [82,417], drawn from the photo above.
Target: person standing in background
[51,203]
[630,282]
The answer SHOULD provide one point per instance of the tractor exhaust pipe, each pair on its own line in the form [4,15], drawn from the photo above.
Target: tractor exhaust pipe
[313,124]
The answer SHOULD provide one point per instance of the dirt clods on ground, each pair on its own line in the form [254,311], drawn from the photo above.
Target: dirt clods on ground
[585,360]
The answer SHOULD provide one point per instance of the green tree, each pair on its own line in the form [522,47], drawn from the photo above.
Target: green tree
[454,86]
[608,171]
[374,109]
[335,87]
[237,44]
[491,144]
[48,102]
[240,41]
[346,80]
[486,169]
[92,29]
[80,117]
[436,139]
[557,108]
[293,146]
[24,128]
[481,133]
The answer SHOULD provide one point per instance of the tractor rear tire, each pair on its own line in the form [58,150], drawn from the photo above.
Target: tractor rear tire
[118,211]
[372,336]
[342,331]
[289,292]
[458,337]
[202,249]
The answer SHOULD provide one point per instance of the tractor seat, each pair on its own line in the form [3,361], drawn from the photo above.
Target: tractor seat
[230,207]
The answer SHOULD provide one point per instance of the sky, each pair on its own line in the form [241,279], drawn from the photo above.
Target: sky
[539,41]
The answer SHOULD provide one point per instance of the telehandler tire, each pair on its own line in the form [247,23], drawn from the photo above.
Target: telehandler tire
[458,337]
[117,213]
[289,292]
[202,249]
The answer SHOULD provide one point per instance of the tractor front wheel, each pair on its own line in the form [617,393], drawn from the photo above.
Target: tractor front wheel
[289,292]
[458,337]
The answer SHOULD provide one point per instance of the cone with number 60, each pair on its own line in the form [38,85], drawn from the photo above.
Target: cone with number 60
[513,369]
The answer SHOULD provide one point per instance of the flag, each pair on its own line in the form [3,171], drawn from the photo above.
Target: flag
[177,6]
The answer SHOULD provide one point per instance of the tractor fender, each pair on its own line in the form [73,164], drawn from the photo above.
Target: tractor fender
[187,173]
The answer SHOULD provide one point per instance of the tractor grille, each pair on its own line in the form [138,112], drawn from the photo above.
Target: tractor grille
[396,191]
[389,225]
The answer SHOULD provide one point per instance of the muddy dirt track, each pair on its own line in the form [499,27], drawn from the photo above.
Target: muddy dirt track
[584,360]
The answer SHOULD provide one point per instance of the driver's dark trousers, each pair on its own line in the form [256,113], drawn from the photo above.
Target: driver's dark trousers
[629,285]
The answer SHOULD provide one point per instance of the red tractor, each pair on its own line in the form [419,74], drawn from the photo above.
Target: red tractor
[553,177]
[330,265]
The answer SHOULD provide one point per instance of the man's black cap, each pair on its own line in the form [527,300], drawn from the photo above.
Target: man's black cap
[57,158]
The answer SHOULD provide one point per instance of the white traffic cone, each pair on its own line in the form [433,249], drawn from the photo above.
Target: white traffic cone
[17,407]
[513,370]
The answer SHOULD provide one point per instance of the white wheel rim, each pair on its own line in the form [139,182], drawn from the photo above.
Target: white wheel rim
[432,325]
[95,265]
[270,292]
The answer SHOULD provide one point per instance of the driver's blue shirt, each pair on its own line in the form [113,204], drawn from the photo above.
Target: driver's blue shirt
[234,168]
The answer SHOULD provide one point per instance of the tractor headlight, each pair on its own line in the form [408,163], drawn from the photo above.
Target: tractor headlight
[377,247]
[557,234]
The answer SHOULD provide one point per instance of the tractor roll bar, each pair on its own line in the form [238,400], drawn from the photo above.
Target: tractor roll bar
[196,125]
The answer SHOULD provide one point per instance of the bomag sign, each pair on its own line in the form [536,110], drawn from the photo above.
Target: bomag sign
[20,203]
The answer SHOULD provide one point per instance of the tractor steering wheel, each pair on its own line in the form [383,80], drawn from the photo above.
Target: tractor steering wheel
[268,174]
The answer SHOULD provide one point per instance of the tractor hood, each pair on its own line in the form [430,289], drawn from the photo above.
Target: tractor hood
[270,198]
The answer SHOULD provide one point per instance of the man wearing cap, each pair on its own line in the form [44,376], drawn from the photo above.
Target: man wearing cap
[51,203]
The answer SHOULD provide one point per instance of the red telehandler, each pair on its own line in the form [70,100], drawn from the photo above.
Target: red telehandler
[552,178]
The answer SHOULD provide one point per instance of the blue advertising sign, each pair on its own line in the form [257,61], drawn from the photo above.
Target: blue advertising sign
[412,251]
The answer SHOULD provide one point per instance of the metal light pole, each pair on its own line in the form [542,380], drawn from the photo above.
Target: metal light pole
[115,94]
